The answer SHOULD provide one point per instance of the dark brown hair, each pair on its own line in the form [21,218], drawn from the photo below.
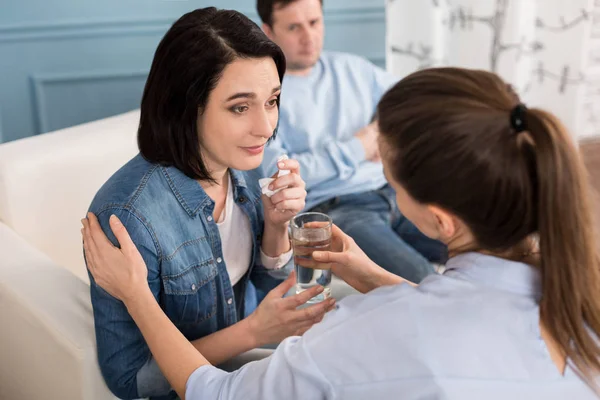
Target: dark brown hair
[265,9]
[187,65]
[452,144]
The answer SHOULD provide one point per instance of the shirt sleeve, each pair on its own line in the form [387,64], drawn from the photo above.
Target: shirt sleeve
[290,373]
[382,82]
[335,160]
[275,262]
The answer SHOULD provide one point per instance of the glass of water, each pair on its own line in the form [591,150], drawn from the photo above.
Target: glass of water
[311,232]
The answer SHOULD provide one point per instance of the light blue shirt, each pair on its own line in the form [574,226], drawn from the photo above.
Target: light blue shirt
[319,115]
[472,333]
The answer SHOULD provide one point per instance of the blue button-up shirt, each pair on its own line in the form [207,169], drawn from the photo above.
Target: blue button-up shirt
[169,218]
[471,333]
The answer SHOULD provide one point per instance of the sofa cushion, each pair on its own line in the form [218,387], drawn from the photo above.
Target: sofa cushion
[48,181]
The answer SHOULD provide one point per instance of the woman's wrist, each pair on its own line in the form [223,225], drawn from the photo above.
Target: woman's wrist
[138,299]
[275,240]
[382,277]
[253,331]
[370,277]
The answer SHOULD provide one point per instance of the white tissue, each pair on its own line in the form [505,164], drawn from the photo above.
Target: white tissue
[265,182]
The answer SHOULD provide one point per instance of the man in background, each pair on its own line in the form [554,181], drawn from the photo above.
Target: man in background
[326,123]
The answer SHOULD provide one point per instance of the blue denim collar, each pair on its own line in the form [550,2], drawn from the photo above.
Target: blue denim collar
[238,179]
[190,194]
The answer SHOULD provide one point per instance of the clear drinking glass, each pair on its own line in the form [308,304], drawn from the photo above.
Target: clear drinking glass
[311,232]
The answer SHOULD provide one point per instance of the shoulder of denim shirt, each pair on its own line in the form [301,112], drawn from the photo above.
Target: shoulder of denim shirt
[146,189]
[125,185]
[120,194]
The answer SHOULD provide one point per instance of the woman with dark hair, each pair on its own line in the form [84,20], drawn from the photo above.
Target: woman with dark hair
[215,250]
[516,314]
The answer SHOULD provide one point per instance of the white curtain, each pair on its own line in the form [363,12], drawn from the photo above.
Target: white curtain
[549,50]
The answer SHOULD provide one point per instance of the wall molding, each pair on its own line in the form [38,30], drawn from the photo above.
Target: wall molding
[83,29]
[54,97]
[39,83]
[355,14]
[148,26]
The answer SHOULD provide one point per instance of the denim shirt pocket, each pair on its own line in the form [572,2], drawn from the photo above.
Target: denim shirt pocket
[191,295]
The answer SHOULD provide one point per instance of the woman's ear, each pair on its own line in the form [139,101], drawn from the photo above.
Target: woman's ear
[445,223]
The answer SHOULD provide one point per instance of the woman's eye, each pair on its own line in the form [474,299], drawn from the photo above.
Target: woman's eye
[272,103]
[239,109]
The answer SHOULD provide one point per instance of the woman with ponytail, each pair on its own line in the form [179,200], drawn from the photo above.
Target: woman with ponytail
[515,315]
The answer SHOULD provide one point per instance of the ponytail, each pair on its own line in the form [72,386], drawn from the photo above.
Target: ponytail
[525,181]
[569,261]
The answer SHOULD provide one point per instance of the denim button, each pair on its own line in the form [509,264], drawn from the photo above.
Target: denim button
[219,260]
[242,199]
[209,218]
[193,286]
[229,301]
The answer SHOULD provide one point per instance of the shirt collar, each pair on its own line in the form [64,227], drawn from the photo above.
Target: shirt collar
[511,276]
[314,74]
[190,194]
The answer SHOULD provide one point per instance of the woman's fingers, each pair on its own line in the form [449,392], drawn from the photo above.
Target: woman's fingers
[290,180]
[330,257]
[306,325]
[86,250]
[291,205]
[314,311]
[311,263]
[121,234]
[299,299]
[301,331]
[316,224]
[290,164]
[293,193]
[338,235]
[88,244]
[284,286]
[96,231]
[85,231]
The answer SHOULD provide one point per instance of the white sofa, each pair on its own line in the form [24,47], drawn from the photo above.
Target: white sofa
[47,339]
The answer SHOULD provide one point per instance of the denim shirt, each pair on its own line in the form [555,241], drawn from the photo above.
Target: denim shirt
[169,218]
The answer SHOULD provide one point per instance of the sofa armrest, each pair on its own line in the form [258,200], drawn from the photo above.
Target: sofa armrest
[47,339]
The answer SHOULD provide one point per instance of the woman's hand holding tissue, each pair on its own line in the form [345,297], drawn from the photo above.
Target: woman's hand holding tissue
[289,198]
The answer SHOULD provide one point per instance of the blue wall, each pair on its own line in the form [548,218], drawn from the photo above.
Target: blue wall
[64,62]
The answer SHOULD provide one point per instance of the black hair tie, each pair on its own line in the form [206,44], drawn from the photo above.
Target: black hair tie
[517,118]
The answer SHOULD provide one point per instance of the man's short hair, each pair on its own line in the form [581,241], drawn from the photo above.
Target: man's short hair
[265,9]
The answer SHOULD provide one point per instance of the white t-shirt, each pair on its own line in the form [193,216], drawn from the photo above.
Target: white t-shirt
[236,241]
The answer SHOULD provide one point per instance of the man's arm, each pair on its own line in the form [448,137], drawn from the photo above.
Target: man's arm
[382,82]
[335,160]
